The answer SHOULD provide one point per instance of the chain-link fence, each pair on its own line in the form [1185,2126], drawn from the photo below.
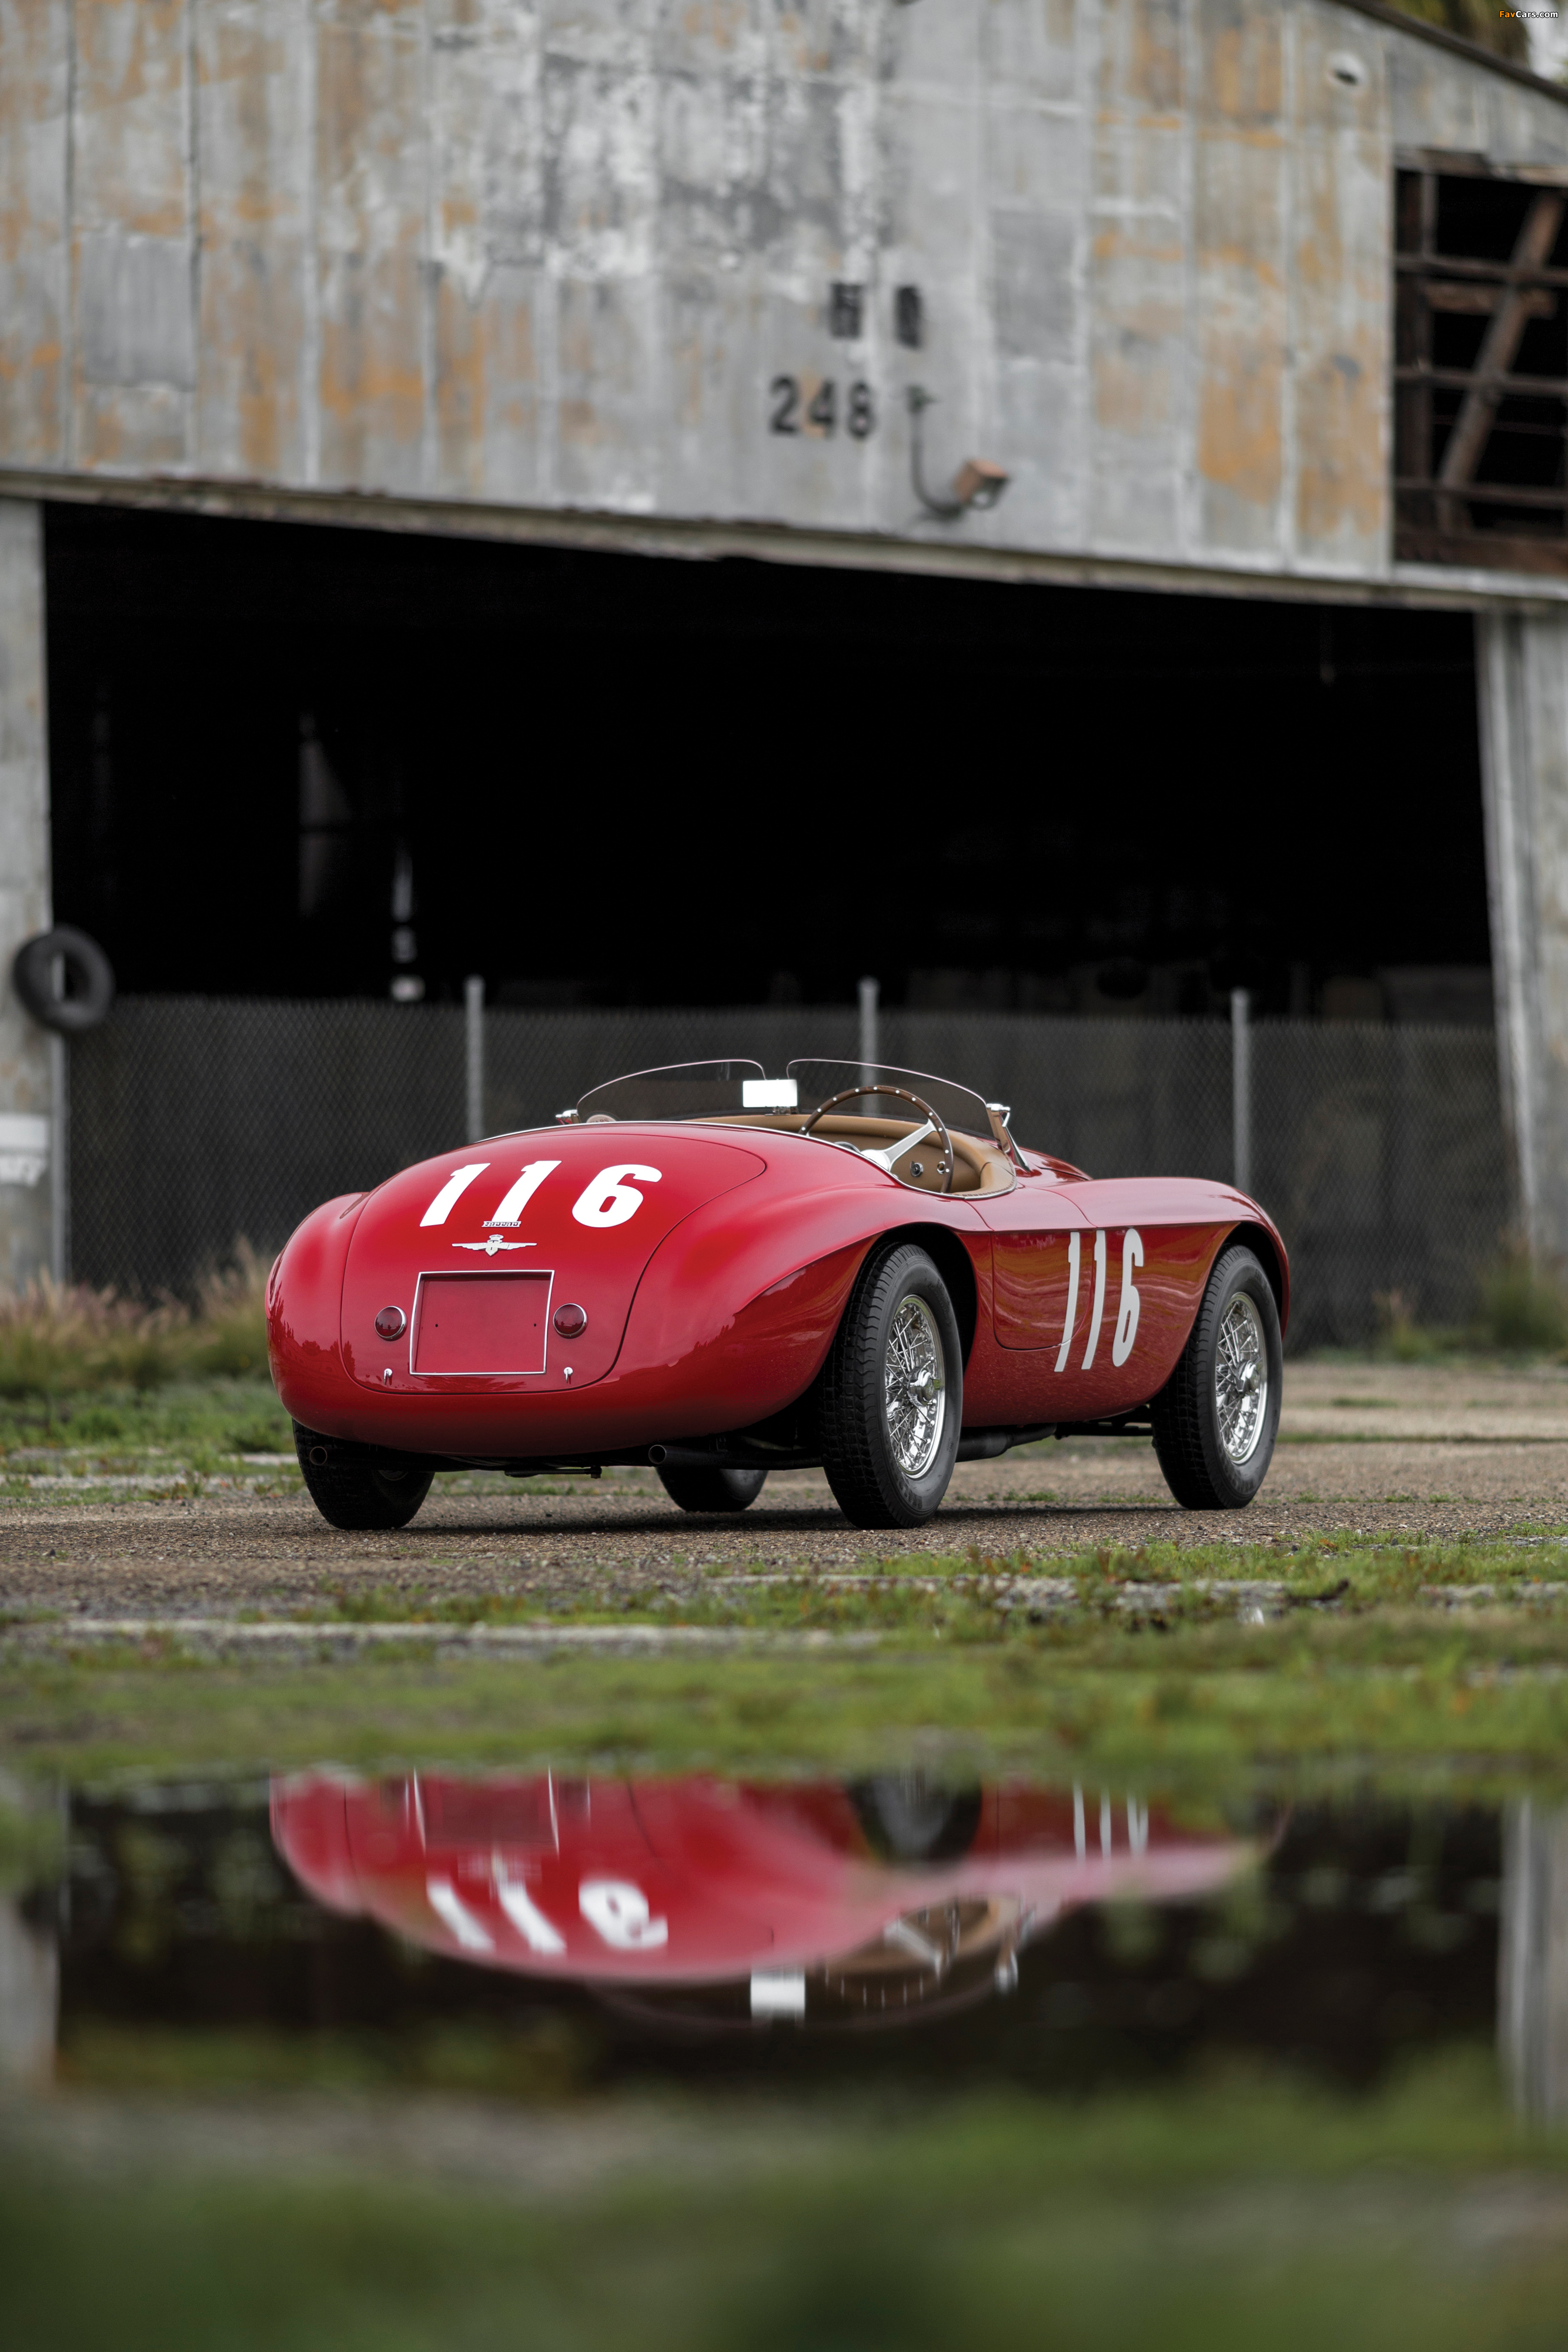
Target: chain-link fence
[1378,1149]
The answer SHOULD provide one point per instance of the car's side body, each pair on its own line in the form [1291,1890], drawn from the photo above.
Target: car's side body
[713,1267]
[713,1263]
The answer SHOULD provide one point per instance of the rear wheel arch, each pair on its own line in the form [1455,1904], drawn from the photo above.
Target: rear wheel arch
[1266,1250]
[955,1265]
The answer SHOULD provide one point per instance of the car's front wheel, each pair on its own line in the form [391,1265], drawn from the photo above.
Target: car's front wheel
[726,1489]
[1217,1417]
[892,1393]
[350,1487]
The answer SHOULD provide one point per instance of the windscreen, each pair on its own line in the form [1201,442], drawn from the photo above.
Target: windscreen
[818,1082]
[688,1090]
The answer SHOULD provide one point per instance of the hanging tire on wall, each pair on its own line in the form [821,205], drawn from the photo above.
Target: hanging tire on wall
[726,1489]
[63,978]
[1218,1415]
[892,1393]
[351,1487]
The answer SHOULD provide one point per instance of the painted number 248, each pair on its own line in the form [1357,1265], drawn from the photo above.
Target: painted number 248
[1126,1312]
[821,414]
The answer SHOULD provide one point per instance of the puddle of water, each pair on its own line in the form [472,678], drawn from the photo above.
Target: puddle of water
[540,1935]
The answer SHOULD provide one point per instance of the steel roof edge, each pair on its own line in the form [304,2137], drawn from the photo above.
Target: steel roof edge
[1440,37]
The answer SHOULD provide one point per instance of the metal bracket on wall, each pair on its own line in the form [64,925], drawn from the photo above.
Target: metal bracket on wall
[977,483]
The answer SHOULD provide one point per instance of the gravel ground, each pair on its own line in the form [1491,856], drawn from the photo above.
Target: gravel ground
[1438,1452]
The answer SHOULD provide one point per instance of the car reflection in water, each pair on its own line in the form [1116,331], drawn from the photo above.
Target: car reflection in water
[698,1902]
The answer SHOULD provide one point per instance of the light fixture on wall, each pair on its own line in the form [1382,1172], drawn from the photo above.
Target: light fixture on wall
[977,484]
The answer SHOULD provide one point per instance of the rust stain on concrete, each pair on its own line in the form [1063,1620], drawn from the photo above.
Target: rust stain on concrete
[426,247]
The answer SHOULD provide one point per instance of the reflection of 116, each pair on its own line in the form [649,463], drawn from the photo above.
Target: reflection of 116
[1126,1329]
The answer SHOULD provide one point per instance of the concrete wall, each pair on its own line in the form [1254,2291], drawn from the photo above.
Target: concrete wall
[1522,670]
[550,255]
[1533,1962]
[26,1103]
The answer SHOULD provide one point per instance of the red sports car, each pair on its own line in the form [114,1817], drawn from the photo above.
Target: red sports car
[701,1900]
[849,1268]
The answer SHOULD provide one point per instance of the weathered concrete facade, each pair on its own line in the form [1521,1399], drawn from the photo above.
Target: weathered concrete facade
[25,1063]
[567,268]
[552,255]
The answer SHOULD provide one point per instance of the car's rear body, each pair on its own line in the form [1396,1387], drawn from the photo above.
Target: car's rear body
[711,1263]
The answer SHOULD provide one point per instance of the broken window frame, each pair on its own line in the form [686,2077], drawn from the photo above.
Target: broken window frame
[1443,513]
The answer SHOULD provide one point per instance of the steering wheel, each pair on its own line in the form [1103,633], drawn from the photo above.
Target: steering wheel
[935,1125]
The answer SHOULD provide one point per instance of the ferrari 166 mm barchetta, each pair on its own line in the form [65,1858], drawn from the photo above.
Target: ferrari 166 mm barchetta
[722,1274]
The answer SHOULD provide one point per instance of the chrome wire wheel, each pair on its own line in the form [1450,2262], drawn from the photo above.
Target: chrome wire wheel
[1241,1379]
[915,1387]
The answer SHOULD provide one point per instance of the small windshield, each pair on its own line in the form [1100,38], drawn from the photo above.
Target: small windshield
[728,1089]
[687,1090]
[818,1082]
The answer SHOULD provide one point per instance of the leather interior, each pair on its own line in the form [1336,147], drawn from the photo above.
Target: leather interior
[979,1167]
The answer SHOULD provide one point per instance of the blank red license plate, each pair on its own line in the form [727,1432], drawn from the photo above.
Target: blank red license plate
[481,1323]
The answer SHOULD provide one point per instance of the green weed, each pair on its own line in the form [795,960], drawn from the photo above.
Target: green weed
[56,1342]
[1214,2217]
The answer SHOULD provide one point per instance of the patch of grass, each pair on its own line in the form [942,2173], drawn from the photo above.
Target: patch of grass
[147,1432]
[58,1342]
[1202,1703]
[1135,1671]
[978,1595]
[542,2057]
[32,1838]
[1224,2216]
[1521,1309]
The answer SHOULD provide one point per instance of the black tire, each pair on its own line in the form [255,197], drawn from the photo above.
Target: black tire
[352,1488]
[871,1485]
[89,979]
[1200,1470]
[713,1490]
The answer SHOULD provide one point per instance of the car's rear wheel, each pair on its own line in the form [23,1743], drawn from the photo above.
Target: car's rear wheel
[908,1817]
[713,1490]
[892,1393]
[1217,1417]
[352,1488]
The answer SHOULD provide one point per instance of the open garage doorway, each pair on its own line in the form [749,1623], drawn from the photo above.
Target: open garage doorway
[299,760]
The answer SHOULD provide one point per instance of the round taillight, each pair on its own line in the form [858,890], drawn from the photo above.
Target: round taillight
[392,1323]
[569,1320]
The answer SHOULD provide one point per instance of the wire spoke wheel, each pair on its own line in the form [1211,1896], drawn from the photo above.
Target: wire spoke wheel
[1241,1379]
[890,1400]
[915,1387]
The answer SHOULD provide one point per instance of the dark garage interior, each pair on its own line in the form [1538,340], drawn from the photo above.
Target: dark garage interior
[295,759]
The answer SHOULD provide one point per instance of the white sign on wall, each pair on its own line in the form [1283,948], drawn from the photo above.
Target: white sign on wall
[23,1147]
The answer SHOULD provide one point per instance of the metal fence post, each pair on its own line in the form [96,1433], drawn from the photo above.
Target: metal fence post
[1242,1088]
[474,1053]
[60,1160]
[870,992]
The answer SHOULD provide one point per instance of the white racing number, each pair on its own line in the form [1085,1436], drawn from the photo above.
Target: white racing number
[610,1199]
[1098,1311]
[451,1191]
[522,1193]
[619,1912]
[1126,1312]
[523,1912]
